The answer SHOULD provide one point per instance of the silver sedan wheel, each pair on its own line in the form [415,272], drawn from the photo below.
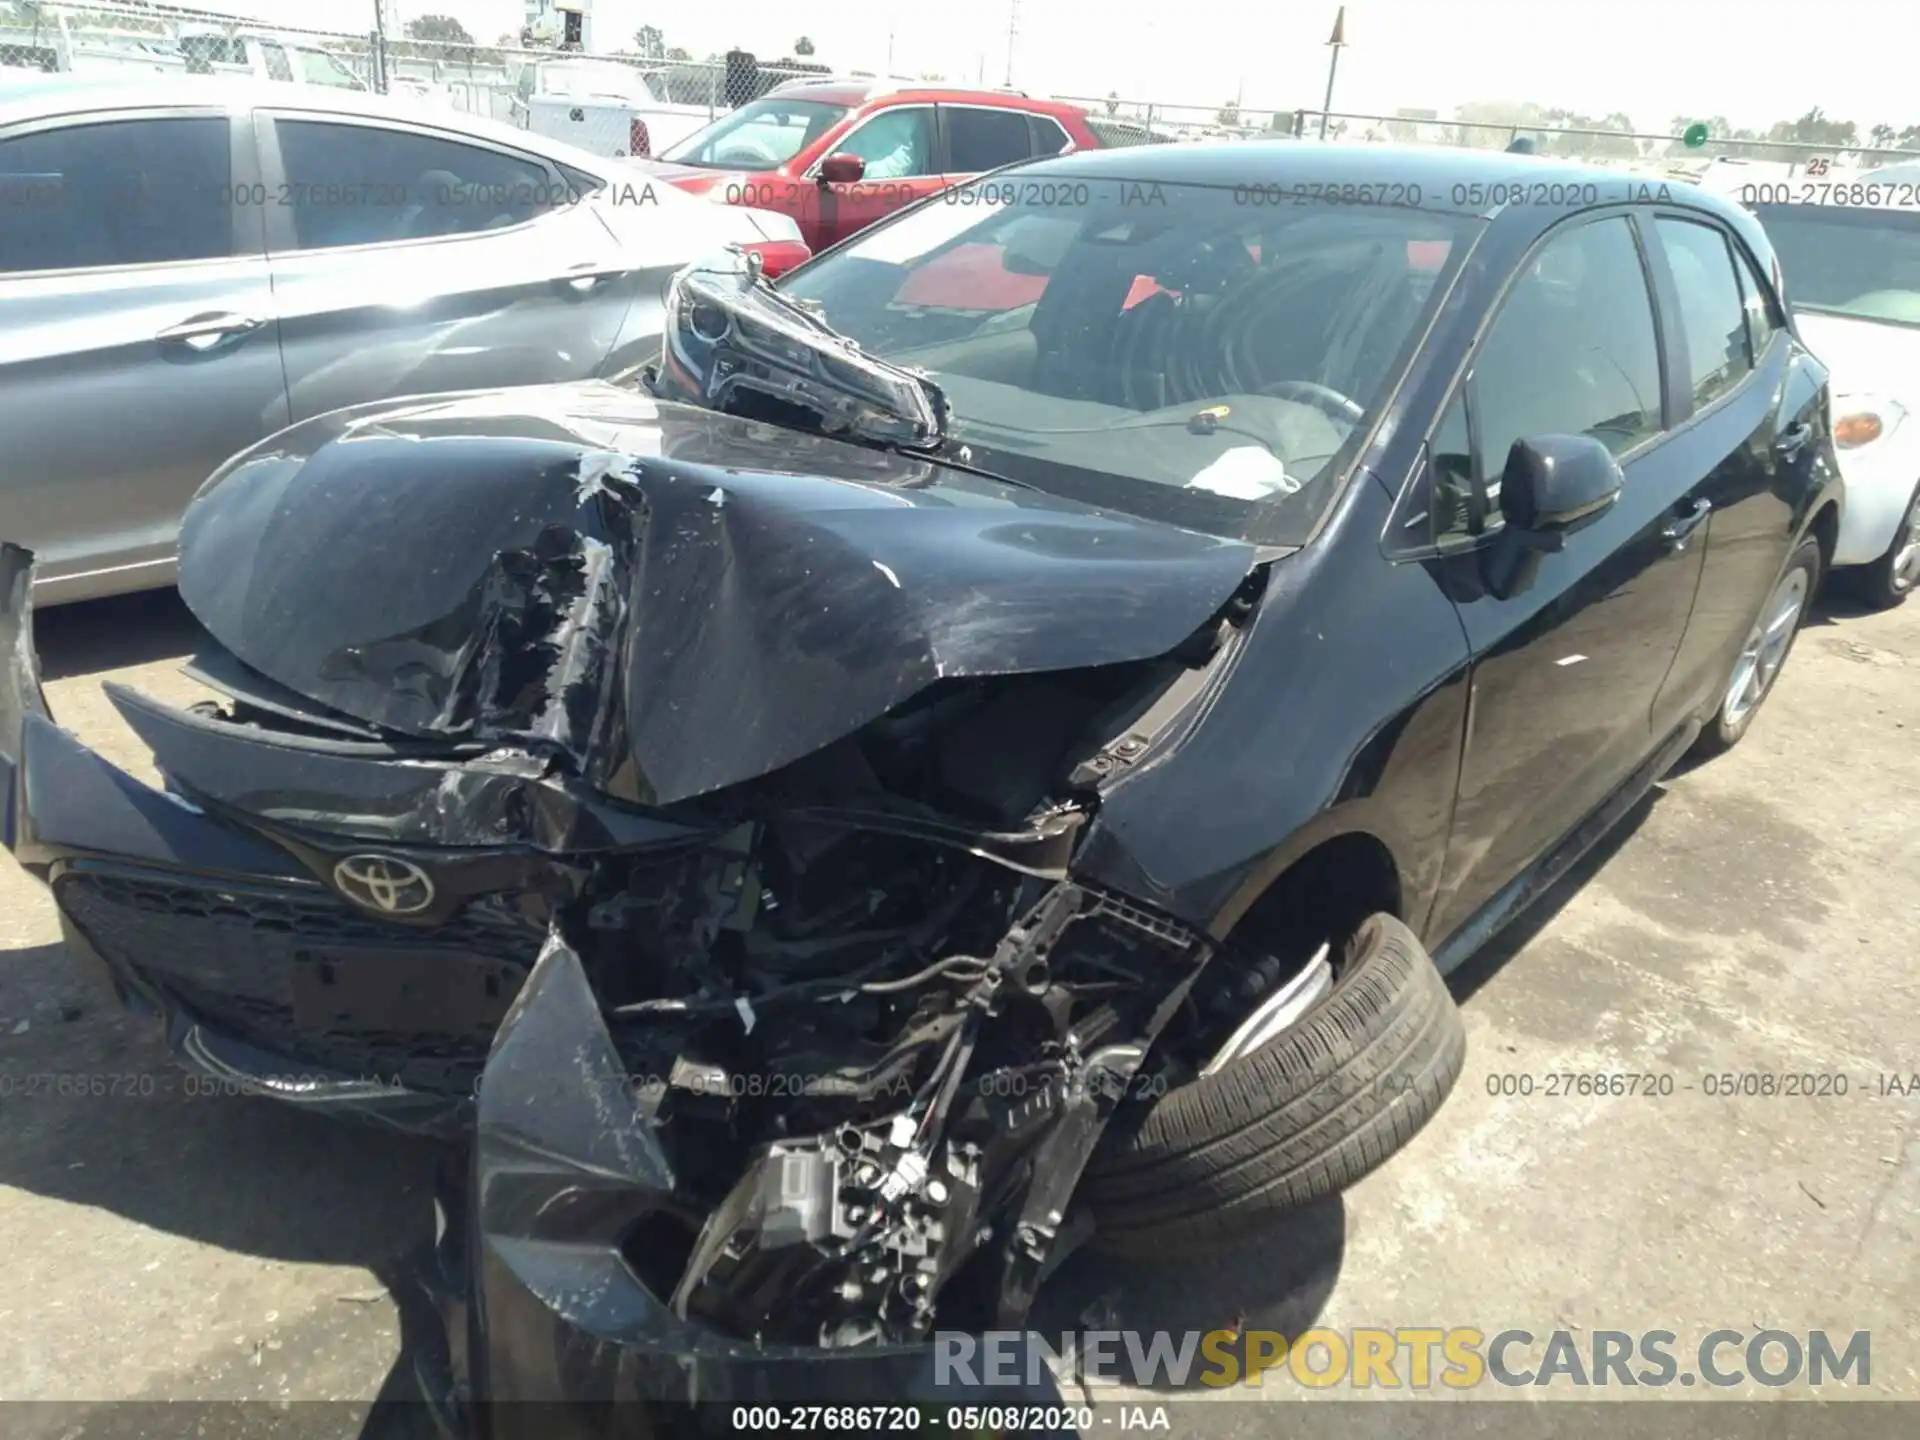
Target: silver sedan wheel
[1906,560]
[1766,647]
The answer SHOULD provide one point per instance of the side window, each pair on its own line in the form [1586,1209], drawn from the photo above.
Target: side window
[278,67]
[984,139]
[358,185]
[1762,321]
[130,192]
[1572,350]
[319,68]
[1713,313]
[1048,137]
[896,144]
[1457,508]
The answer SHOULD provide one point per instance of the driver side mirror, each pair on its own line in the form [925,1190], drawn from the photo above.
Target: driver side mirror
[1553,486]
[842,169]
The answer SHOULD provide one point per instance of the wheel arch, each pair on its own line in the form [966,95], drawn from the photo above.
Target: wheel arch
[1318,888]
[1824,527]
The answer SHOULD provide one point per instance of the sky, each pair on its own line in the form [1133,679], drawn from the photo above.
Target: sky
[1651,59]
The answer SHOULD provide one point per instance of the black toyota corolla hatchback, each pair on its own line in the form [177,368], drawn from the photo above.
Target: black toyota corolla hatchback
[990,743]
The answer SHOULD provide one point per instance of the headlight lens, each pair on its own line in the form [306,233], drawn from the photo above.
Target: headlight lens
[1862,419]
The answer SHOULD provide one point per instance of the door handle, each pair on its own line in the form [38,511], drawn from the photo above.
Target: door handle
[1679,531]
[586,275]
[1791,440]
[201,333]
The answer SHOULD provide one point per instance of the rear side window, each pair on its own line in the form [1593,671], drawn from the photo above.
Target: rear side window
[358,185]
[1049,138]
[984,139]
[1713,313]
[1572,351]
[278,67]
[130,192]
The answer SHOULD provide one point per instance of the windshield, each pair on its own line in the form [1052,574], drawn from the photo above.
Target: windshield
[319,68]
[1862,261]
[759,136]
[1169,351]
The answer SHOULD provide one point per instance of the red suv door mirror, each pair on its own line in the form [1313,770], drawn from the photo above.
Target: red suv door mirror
[842,169]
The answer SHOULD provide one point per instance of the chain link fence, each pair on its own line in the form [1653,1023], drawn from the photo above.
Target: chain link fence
[609,104]
[635,104]
[1656,152]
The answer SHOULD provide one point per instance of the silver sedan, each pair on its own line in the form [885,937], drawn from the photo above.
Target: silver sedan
[187,266]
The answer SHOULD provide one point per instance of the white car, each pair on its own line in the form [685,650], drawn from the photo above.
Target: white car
[1853,281]
[606,107]
[259,55]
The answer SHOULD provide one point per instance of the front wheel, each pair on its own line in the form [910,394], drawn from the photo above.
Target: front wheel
[1890,579]
[1764,653]
[1319,1086]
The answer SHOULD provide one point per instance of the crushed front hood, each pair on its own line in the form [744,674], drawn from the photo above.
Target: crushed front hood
[673,599]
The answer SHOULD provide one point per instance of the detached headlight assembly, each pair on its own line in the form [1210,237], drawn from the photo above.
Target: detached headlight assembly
[727,331]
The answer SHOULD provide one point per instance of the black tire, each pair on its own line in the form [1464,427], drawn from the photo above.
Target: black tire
[1719,735]
[1877,585]
[1298,1120]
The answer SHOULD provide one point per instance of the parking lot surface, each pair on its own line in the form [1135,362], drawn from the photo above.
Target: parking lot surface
[1757,915]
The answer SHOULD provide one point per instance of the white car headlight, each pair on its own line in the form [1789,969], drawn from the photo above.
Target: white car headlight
[1862,419]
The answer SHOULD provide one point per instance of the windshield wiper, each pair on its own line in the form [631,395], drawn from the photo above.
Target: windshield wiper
[729,332]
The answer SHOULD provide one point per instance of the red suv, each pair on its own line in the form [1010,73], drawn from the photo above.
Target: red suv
[837,157]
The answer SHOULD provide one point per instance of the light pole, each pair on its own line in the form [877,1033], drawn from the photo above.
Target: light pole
[1335,42]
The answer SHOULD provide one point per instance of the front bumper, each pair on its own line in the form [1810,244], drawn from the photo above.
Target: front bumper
[550,1331]
[261,977]
[1880,480]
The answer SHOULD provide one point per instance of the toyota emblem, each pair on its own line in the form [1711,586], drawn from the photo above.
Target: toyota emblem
[384,883]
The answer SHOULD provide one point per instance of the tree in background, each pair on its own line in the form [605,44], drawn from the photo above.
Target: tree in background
[803,47]
[443,29]
[1228,115]
[1113,102]
[649,42]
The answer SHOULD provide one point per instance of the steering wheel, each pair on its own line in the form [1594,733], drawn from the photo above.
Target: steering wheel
[744,155]
[1322,397]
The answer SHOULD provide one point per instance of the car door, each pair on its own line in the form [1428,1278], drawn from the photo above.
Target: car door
[408,260]
[1567,670]
[900,145]
[138,348]
[1751,397]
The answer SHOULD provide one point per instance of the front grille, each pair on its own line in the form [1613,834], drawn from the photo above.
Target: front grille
[256,963]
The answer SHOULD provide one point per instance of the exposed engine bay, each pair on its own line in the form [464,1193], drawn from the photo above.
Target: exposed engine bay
[872,1025]
[881,1089]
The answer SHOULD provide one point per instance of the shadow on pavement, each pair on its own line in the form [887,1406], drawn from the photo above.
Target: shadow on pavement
[1278,1279]
[110,634]
[1519,933]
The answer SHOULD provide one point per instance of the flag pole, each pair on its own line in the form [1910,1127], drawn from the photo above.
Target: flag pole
[1336,42]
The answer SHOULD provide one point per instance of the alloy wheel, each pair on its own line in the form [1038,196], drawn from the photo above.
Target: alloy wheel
[1766,647]
[1906,560]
